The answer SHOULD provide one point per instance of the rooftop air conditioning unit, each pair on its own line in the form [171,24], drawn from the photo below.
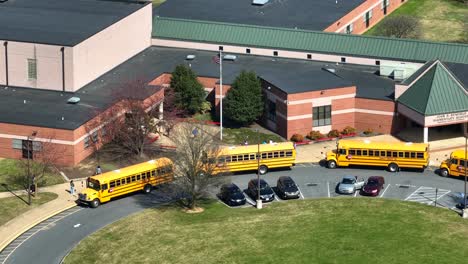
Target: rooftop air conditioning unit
[73,100]
[259,2]
[229,57]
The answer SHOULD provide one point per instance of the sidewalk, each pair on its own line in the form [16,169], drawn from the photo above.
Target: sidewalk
[20,224]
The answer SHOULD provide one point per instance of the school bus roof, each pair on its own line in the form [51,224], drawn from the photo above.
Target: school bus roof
[233,150]
[345,143]
[459,153]
[130,170]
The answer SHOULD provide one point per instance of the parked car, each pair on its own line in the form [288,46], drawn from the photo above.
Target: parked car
[231,194]
[349,184]
[266,193]
[287,188]
[463,204]
[373,185]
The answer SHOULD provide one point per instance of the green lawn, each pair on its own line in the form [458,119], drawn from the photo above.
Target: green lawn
[14,206]
[237,136]
[307,231]
[158,2]
[10,167]
[441,20]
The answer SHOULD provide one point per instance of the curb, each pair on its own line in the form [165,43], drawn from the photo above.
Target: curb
[8,241]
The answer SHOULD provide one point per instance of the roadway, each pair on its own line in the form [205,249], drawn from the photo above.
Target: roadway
[53,239]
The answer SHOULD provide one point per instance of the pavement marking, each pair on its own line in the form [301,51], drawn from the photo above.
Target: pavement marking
[276,198]
[355,193]
[77,225]
[412,194]
[427,195]
[249,200]
[328,189]
[405,185]
[34,230]
[384,191]
[300,193]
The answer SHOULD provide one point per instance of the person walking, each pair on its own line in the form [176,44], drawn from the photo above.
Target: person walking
[72,188]
[98,170]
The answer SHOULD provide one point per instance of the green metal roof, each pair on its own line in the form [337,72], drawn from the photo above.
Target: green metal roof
[436,92]
[303,40]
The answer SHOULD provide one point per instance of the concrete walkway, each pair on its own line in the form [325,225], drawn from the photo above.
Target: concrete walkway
[15,227]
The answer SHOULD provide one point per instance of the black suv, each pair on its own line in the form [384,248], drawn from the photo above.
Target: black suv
[231,194]
[287,188]
[266,193]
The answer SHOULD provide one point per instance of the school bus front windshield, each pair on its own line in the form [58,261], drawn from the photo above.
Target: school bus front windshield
[93,184]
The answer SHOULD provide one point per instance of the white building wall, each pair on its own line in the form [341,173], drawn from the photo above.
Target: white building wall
[112,46]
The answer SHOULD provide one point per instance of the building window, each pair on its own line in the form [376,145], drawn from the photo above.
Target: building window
[86,142]
[27,146]
[321,115]
[309,56]
[32,69]
[271,110]
[343,59]
[37,146]
[367,17]
[94,136]
[349,29]
[275,53]
[221,48]
[384,6]
[17,144]
[247,51]
[103,131]
[377,62]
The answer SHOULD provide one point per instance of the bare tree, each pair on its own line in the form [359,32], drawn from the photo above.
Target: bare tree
[401,26]
[195,162]
[44,156]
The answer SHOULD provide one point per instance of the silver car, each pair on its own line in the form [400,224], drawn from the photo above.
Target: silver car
[349,184]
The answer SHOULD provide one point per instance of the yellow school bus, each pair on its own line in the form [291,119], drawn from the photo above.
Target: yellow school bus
[455,166]
[393,155]
[244,158]
[139,177]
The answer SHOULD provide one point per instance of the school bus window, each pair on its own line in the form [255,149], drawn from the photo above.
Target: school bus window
[289,153]
[252,156]
[371,153]
[246,156]
[270,155]
[234,158]
[128,179]
[413,155]
[382,153]
[275,154]
[400,154]
[112,184]
[103,186]
[228,159]
[143,176]
[454,161]
[221,159]
[133,178]
[281,154]
[420,155]
[364,152]
[358,152]
[407,154]
[342,151]
[389,153]
[352,152]
[138,177]
[240,158]
[117,182]
[153,173]
[264,155]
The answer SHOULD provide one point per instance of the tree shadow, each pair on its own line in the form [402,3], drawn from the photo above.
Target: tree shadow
[4,185]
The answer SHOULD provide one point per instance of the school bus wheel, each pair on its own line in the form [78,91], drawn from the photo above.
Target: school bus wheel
[444,172]
[95,203]
[392,167]
[147,188]
[331,164]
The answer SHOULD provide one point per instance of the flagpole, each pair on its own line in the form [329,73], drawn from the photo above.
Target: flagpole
[221,97]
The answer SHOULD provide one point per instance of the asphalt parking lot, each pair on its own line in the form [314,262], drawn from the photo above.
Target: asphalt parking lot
[315,181]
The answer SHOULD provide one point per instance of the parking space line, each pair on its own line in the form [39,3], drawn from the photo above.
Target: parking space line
[276,198]
[388,185]
[249,200]
[355,193]
[300,193]
[328,189]
[417,190]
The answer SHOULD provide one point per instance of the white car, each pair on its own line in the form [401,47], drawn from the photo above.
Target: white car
[349,184]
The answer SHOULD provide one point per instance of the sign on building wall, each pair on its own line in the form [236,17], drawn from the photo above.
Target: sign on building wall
[445,119]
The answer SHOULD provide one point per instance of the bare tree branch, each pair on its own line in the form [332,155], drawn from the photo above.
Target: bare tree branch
[401,26]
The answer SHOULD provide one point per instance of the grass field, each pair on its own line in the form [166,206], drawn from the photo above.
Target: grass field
[237,136]
[441,20]
[308,231]
[14,206]
[10,167]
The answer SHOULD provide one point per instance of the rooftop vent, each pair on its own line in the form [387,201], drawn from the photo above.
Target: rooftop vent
[259,2]
[229,57]
[73,100]
[190,57]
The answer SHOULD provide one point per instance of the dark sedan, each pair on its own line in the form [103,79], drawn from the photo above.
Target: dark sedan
[266,193]
[373,186]
[287,188]
[231,194]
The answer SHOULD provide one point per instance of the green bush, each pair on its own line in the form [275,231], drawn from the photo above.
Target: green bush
[313,135]
[297,138]
[348,130]
[368,131]
[333,133]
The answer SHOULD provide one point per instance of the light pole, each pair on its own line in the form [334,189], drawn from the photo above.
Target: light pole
[259,200]
[29,149]
[221,95]
[465,132]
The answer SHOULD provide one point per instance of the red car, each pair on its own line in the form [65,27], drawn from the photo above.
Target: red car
[373,185]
